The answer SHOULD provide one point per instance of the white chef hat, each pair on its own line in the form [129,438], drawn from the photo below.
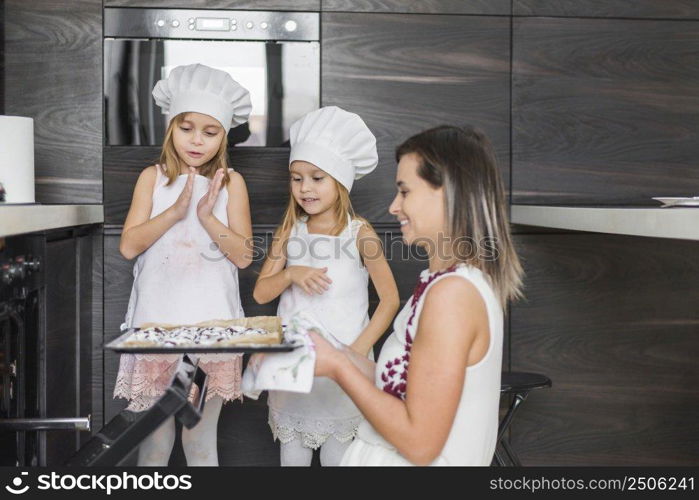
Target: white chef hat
[336,141]
[201,89]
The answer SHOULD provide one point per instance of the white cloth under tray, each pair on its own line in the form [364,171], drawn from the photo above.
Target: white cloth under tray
[287,371]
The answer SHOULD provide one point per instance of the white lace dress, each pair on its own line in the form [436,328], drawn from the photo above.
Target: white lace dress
[183,278]
[344,311]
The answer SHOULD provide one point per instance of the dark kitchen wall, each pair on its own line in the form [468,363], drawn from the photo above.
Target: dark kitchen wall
[613,321]
[587,102]
[605,96]
[479,7]
[70,346]
[53,68]
[604,110]
[629,9]
[403,73]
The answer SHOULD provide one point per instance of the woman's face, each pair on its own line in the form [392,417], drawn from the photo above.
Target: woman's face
[418,206]
[197,139]
[313,189]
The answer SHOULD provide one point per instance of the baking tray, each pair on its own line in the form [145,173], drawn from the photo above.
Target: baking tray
[115,346]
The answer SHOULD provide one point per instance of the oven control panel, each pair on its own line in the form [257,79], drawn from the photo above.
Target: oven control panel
[211,24]
[13,271]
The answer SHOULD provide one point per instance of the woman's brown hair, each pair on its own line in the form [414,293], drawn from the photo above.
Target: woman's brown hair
[169,157]
[462,160]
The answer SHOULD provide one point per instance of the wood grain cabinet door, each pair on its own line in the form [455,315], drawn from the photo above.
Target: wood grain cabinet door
[61,359]
[487,7]
[403,73]
[604,110]
[53,66]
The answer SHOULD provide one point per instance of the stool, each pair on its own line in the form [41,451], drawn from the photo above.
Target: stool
[518,384]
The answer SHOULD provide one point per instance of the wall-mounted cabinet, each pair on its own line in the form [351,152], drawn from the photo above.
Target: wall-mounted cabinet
[604,111]
[612,320]
[652,9]
[403,73]
[480,7]
[53,62]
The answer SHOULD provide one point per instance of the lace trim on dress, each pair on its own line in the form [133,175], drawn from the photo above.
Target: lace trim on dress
[143,378]
[312,433]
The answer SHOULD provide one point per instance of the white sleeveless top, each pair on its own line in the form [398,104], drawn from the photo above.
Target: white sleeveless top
[184,277]
[473,435]
[343,310]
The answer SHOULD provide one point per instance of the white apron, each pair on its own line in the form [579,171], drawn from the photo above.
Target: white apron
[344,311]
[183,278]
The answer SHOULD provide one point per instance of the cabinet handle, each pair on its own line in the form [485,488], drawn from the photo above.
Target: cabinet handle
[45,424]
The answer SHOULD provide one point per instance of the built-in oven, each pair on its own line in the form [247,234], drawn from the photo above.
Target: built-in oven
[24,410]
[20,392]
[275,55]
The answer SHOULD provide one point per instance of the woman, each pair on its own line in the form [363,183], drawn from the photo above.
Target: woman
[434,397]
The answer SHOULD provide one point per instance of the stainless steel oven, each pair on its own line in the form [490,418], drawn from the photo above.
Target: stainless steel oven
[275,55]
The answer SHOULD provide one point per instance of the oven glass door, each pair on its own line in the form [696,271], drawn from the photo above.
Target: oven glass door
[283,79]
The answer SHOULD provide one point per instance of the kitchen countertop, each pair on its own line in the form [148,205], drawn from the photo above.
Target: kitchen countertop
[654,222]
[31,217]
[677,223]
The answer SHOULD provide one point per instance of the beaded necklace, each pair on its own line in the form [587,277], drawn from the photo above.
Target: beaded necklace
[395,373]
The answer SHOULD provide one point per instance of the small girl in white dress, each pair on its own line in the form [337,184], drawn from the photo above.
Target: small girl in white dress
[320,261]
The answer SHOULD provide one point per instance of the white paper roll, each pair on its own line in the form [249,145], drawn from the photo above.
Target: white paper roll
[17,158]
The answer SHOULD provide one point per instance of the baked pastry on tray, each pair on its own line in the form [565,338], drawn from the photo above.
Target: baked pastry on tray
[214,333]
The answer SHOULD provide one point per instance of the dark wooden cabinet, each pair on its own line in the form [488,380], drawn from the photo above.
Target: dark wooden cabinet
[667,9]
[483,7]
[53,65]
[96,373]
[71,338]
[604,111]
[61,345]
[612,320]
[586,101]
[403,73]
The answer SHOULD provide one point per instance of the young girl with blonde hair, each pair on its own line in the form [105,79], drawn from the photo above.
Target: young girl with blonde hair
[189,225]
[320,262]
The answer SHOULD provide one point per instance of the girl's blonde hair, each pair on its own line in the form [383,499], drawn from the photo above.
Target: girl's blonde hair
[462,160]
[169,157]
[343,206]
